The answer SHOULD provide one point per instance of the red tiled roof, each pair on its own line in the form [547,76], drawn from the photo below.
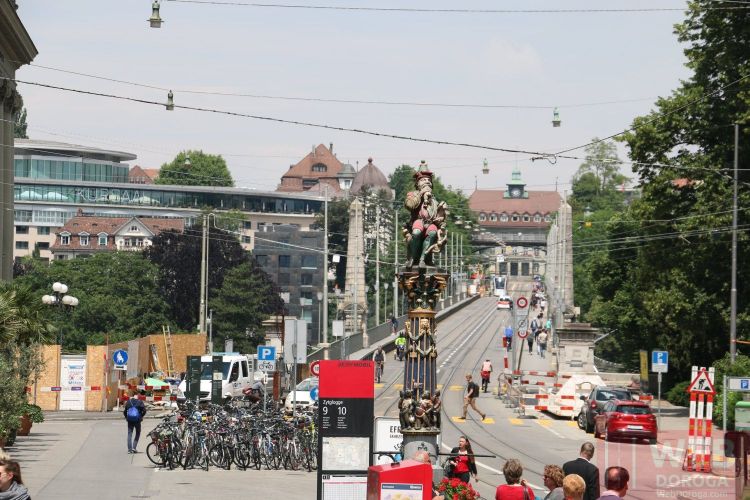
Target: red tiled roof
[292,180]
[490,201]
[110,225]
[140,175]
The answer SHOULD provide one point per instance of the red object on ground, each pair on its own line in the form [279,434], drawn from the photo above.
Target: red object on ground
[626,419]
[400,477]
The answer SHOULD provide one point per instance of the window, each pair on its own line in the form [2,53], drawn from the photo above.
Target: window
[283,279]
[547,218]
[61,257]
[133,228]
[22,229]
[306,279]
[65,239]
[514,218]
[535,268]
[482,217]
[526,218]
[319,167]
[22,215]
[493,217]
[43,245]
[537,218]
[308,183]
[102,239]
[285,260]
[309,261]
[244,369]
[22,245]
[235,373]
[262,260]
[247,239]
[247,224]
[43,230]
[84,238]
[504,218]
[524,269]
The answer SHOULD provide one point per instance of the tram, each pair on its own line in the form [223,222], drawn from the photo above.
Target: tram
[498,285]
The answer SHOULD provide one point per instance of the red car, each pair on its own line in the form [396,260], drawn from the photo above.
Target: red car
[625,419]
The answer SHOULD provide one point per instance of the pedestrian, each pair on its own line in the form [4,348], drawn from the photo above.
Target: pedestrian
[584,468]
[11,484]
[616,481]
[509,336]
[553,481]
[542,342]
[134,412]
[394,325]
[486,372]
[530,341]
[463,465]
[379,359]
[472,393]
[536,327]
[543,304]
[516,488]
[574,487]
[548,324]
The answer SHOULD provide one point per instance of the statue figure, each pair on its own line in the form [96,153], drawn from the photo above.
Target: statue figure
[405,414]
[425,231]
[437,406]
[426,405]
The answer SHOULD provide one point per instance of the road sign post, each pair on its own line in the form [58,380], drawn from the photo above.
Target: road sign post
[120,358]
[698,452]
[659,365]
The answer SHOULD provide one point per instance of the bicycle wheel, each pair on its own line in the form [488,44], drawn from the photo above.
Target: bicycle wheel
[219,456]
[242,455]
[256,456]
[152,452]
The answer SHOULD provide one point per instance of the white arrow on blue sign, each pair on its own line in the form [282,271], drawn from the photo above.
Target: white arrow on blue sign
[659,361]
[120,357]
[266,353]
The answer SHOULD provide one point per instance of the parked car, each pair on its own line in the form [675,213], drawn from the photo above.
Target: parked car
[626,419]
[301,394]
[504,302]
[593,404]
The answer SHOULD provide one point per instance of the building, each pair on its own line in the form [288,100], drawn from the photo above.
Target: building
[140,175]
[54,180]
[294,260]
[520,220]
[84,235]
[318,168]
[16,49]
[372,179]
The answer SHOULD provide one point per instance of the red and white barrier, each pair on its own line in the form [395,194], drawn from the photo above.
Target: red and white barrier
[144,387]
[72,388]
[698,453]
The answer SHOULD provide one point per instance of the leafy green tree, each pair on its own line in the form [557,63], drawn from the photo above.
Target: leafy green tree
[603,163]
[203,170]
[20,125]
[246,298]
[724,366]
[178,257]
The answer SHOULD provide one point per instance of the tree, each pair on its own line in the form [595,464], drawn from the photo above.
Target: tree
[203,170]
[603,163]
[117,292]
[178,256]
[20,125]
[246,298]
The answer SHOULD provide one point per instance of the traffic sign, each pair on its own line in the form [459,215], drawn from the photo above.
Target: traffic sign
[266,353]
[267,366]
[120,357]
[702,384]
[315,368]
[522,302]
[741,384]
[314,394]
[659,361]
[523,333]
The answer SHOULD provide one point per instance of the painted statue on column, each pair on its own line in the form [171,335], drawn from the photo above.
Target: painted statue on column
[425,231]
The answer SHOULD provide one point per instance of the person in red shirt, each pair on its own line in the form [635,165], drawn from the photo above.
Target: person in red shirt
[517,488]
[462,458]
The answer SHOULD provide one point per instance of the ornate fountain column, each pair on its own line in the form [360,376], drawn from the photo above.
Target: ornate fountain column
[422,283]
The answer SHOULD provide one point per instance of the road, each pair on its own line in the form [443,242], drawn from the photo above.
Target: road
[88,459]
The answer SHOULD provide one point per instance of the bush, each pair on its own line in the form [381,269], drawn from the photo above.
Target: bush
[678,395]
[35,413]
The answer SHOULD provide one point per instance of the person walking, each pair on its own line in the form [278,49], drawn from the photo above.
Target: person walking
[394,325]
[134,412]
[472,393]
[542,342]
[584,468]
[486,372]
[530,342]
[509,336]
[553,481]
[616,481]
[574,487]
[536,326]
[11,484]
[515,487]
[462,460]
[379,359]
[543,304]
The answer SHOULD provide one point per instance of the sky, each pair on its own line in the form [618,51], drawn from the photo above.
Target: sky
[517,59]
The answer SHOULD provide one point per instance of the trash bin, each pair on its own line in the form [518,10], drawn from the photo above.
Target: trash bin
[742,416]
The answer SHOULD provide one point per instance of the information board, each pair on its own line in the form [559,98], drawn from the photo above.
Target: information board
[193,377]
[217,379]
[342,487]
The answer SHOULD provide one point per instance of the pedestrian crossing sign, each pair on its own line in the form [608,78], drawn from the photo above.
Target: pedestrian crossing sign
[702,384]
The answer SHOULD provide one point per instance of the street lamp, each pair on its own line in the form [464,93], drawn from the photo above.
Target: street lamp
[320,312]
[155,20]
[385,306]
[61,299]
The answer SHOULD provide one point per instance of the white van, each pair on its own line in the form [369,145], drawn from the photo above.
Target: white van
[235,376]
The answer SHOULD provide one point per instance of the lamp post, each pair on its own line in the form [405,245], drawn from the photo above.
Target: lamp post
[320,313]
[385,304]
[61,299]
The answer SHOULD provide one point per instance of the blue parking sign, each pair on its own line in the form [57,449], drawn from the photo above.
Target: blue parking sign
[659,361]
[266,353]
[745,384]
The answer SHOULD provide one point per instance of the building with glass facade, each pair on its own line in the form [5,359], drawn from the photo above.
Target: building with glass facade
[54,180]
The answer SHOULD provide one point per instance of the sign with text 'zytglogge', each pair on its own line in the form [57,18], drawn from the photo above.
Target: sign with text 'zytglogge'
[346,414]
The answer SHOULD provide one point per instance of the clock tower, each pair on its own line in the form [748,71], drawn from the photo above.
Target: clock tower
[516,187]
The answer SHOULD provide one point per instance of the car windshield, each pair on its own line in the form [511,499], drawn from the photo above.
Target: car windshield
[307,384]
[607,394]
[634,410]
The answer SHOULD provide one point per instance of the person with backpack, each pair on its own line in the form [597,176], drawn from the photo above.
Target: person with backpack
[134,412]
[536,325]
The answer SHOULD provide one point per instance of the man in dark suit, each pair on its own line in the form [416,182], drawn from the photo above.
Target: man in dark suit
[584,468]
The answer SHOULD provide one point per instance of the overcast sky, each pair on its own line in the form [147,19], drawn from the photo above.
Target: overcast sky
[529,59]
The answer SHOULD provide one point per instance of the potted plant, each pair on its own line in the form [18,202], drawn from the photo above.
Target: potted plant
[32,415]
[455,489]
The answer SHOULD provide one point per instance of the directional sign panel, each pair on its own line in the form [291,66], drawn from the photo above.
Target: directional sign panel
[659,361]
[266,353]
[740,384]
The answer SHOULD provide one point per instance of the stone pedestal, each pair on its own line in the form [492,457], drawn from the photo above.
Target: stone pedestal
[421,441]
[575,351]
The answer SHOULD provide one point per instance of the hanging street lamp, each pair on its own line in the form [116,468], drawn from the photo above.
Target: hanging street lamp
[556,118]
[155,20]
[485,168]
[170,101]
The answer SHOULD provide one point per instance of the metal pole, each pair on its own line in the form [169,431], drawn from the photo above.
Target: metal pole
[320,310]
[211,329]
[395,265]
[325,265]
[724,405]
[377,265]
[202,308]
[294,374]
[733,293]
[658,397]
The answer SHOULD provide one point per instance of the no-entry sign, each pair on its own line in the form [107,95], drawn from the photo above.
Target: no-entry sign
[522,302]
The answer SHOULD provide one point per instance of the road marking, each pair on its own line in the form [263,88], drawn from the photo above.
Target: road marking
[488,420]
[440,386]
[571,423]
[459,420]
[492,469]
[515,421]
[378,385]
[455,388]
[399,386]
[545,424]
